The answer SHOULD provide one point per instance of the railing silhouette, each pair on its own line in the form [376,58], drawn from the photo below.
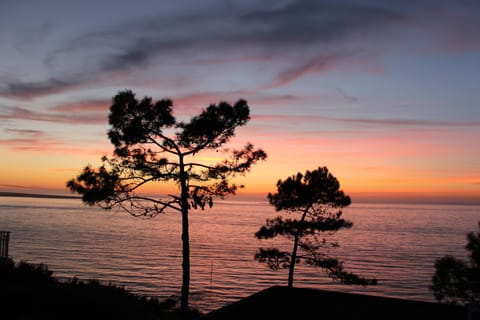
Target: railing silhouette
[4,238]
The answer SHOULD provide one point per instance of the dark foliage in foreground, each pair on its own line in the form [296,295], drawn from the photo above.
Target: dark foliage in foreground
[28,291]
[457,281]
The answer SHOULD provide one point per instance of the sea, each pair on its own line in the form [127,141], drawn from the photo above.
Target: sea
[395,243]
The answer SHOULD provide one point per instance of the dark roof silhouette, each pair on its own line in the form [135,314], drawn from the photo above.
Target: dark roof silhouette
[302,303]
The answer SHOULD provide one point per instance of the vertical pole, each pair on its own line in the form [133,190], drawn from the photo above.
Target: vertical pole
[7,239]
[4,238]
[211,273]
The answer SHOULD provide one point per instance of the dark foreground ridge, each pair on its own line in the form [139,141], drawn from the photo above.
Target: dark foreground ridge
[28,291]
[302,303]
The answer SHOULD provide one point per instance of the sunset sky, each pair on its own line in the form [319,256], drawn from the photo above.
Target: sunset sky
[386,94]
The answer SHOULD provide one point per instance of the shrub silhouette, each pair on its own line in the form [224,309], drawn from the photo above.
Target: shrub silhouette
[456,281]
[41,296]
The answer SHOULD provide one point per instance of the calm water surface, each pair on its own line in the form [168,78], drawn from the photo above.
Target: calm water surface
[395,243]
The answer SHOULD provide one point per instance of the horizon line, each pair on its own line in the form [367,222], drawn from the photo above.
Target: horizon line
[441,198]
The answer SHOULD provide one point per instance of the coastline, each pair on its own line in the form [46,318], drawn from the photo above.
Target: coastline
[36,195]
[361,197]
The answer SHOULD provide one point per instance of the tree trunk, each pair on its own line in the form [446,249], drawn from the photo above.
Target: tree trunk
[291,268]
[185,240]
[292,263]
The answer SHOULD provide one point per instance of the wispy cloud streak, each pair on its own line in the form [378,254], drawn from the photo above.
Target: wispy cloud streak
[28,140]
[30,90]
[306,36]
[369,122]
[18,113]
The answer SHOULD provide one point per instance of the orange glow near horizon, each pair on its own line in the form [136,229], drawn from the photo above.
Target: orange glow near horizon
[424,162]
[366,175]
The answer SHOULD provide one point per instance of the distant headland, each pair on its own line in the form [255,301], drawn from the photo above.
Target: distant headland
[36,195]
